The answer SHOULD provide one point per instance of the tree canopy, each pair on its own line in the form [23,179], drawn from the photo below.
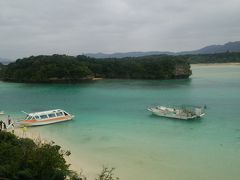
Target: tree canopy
[22,158]
[227,57]
[71,69]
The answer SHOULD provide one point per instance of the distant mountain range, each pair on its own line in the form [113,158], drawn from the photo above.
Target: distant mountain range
[212,49]
[230,46]
[127,54]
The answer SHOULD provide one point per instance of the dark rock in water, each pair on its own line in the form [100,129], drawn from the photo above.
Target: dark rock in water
[182,71]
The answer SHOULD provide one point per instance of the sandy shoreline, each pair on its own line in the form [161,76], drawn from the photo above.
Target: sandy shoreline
[87,170]
[36,137]
[215,64]
[96,79]
[19,132]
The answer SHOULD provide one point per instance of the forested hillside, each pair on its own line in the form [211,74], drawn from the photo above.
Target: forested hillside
[62,68]
[228,57]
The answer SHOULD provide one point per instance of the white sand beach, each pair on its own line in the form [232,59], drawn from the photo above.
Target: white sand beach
[216,64]
[88,170]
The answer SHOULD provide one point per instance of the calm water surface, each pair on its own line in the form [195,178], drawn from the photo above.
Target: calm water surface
[113,128]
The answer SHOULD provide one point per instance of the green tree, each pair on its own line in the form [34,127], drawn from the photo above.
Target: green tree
[22,158]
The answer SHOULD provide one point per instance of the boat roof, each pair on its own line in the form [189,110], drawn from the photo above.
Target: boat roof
[45,112]
[184,106]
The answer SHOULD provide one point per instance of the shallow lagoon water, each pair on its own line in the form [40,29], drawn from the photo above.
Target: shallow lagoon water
[113,128]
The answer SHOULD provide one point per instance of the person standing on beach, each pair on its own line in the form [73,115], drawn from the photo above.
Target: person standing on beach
[9,120]
[12,128]
[4,126]
[1,125]
[24,129]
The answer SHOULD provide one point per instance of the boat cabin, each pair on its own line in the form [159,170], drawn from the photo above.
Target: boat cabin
[46,115]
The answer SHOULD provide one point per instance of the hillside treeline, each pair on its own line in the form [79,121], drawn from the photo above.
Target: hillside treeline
[228,57]
[58,68]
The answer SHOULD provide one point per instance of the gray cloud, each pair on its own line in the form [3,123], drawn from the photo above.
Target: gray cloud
[30,27]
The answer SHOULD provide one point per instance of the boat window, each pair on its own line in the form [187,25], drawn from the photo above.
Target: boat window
[43,116]
[37,117]
[29,117]
[59,114]
[51,115]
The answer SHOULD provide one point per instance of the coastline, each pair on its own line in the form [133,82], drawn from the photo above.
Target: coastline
[88,170]
[215,64]
[96,79]
[115,130]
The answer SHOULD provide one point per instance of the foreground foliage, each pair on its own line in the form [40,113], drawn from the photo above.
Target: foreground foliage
[22,158]
[107,174]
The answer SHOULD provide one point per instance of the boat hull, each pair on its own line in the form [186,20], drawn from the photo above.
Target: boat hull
[174,116]
[45,122]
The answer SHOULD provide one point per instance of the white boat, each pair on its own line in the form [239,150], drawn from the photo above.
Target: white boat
[46,117]
[178,113]
[1,112]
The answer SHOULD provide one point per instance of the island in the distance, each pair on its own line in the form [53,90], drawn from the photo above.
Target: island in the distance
[63,68]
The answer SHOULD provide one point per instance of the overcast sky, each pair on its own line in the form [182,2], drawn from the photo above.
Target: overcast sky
[33,27]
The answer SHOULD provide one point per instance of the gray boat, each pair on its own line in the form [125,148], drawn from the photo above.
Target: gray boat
[178,113]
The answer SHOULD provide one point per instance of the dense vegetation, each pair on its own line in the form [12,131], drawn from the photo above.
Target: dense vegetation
[107,174]
[45,68]
[62,68]
[68,68]
[22,158]
[149,67]
[228,57]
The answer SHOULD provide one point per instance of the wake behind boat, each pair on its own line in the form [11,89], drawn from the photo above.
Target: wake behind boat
[178,113]
[46,117]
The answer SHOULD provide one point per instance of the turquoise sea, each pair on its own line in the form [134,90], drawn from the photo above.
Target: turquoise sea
[113,128]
